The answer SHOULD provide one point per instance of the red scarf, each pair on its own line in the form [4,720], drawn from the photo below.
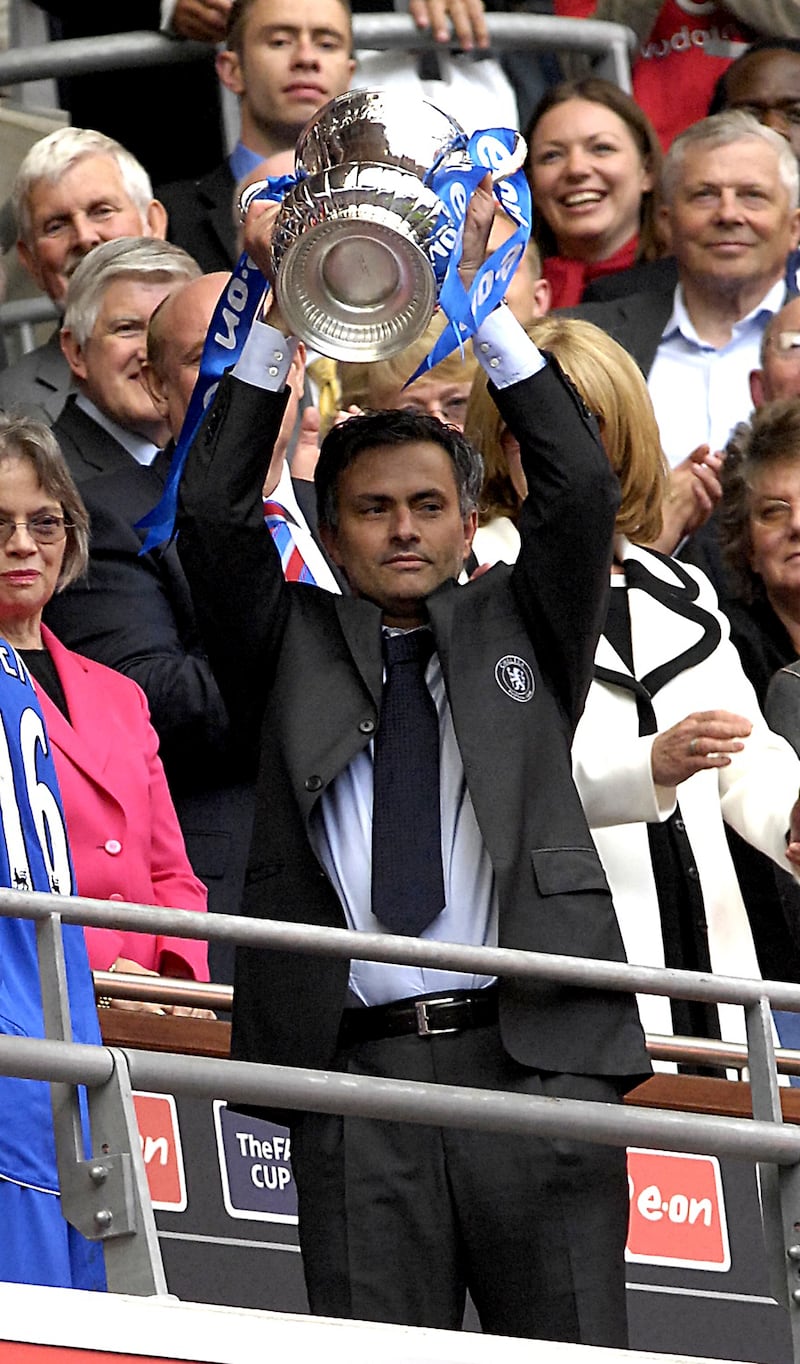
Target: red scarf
[568,278]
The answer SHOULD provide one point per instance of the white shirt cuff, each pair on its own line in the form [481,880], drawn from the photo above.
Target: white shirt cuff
[266,358]
[167,11]
[504,349]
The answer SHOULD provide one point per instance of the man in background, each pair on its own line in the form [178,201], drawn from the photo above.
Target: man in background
[74,189]
[283,59]
[730,213]
[111,421]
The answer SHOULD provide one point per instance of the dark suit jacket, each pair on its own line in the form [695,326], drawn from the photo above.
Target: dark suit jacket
[201,218]
[636,321]
[134,613]
[38,383]
[87,448]
[307,666]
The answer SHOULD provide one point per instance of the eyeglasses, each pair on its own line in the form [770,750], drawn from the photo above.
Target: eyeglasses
[784,341]
[45,529]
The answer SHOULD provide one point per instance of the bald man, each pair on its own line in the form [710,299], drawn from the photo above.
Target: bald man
[778,375]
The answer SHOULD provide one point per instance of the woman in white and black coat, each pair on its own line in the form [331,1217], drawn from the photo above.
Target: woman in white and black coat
[672,744]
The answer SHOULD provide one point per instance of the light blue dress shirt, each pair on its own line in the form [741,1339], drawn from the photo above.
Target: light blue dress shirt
[700,392]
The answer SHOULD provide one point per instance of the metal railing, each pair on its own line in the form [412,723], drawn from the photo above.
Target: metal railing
[608,45]
[106,1196]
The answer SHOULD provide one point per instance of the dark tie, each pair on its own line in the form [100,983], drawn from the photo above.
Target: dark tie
[407,880]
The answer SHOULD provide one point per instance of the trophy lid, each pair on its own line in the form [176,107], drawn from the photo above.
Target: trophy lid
[378,126]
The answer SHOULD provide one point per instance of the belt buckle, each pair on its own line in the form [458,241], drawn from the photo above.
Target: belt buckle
[425,1019]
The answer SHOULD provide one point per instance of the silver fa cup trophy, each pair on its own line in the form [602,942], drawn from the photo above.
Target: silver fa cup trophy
[357,238]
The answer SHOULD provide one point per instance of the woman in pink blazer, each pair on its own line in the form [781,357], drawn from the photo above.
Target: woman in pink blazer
[124,834]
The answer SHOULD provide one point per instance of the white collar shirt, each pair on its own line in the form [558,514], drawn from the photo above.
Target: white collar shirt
[143,451]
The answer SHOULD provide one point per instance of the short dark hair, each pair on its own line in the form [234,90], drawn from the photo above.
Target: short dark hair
[237,16]
[344,443]
[719,97]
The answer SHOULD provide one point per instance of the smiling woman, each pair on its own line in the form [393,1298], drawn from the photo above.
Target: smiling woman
[593,166]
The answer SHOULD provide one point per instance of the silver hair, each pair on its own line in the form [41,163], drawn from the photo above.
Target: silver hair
[51,157]
[146,259]
[721,130]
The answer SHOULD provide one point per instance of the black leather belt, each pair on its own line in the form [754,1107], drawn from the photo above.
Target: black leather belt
[425,1015]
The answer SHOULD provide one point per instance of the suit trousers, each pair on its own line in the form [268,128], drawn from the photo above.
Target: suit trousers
[398,1221]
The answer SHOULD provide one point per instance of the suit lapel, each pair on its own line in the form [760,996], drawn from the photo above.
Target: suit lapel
[98,450]
[362,632]
[86,743]
[649,322]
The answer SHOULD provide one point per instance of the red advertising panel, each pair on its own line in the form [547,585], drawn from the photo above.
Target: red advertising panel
[160,1139]
[677,1212]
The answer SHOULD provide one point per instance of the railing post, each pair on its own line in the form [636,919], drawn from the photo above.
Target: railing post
[779,1185]
[58,1027]
[106,1197]
[118,1208]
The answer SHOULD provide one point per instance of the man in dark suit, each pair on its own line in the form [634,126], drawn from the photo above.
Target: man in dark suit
[283,61]
[133,611]
[730,212]
[111,421]
[396,1222]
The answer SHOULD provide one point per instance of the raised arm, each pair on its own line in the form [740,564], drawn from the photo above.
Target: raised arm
[567,520]
[225,548]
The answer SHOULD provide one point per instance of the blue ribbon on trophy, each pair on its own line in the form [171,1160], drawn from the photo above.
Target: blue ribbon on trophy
[498,150]
[233,317]
[493,150]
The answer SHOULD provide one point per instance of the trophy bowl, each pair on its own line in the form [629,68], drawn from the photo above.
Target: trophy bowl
[355,239]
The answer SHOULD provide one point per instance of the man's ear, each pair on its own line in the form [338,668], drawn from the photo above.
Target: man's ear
[664,224]
[155,387]
[470,527]
[73,353]
[229,71]
[156,220]
[330,541]
[757,387]
[296,377]
[542,297]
